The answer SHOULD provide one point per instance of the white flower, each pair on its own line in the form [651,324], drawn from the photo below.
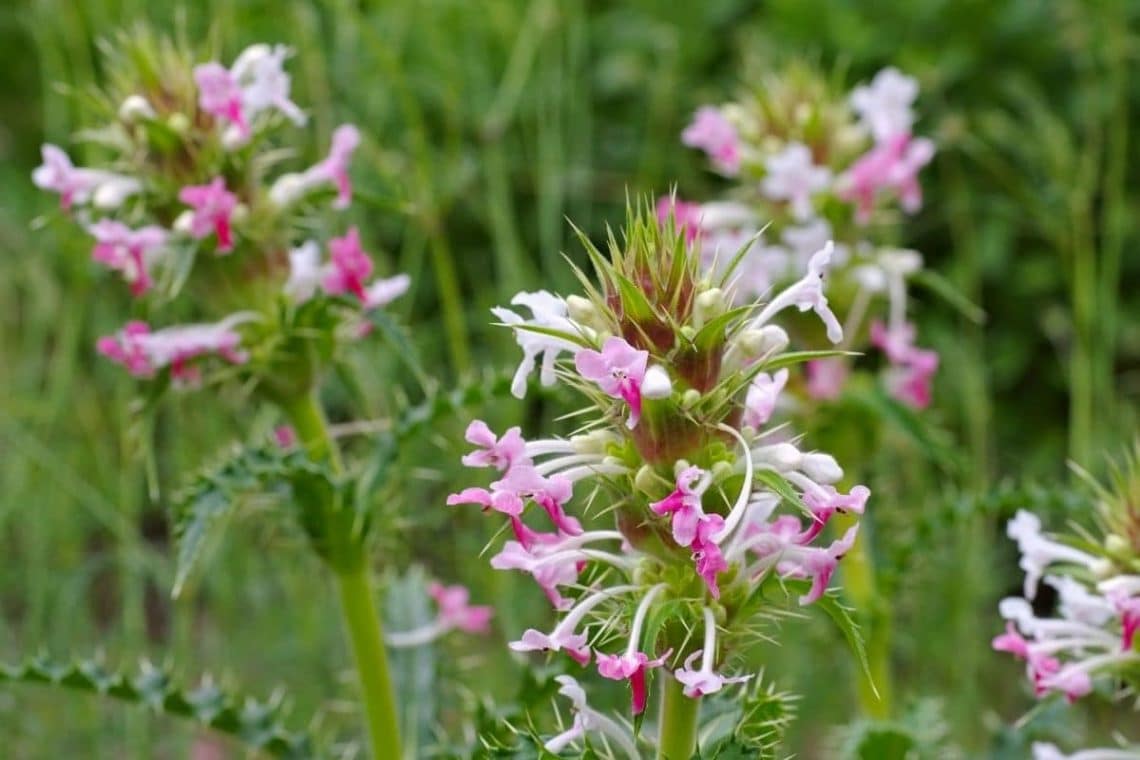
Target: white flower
[793,177]
[548,311]
[884,106]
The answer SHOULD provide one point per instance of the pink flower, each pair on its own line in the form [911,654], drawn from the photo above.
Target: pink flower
[686,216]
[213,207]
[285,436]
[892,165]
[563,637]
[220,95]
[455,612]
[760,402]
[826,501]
[826,378]
[349,267]
[505,502]
[1128,607]
[708,557]
[77,185]
[713,134]
[499,453]
[630,666]
[910,379]
[550,567]
[1011,641]
[344,142]
[619,369]
[684,504]
[128,251]
[792,176]
[700,683]
[144,352]
[549,493]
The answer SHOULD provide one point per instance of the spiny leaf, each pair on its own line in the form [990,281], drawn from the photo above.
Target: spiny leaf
[255,723]
[830,605]
[203,506]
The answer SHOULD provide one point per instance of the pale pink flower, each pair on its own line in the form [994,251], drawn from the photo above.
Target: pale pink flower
[630,667]
[344,142]
[77,185]
[618,369]
[128,251]
[144,352]
[455,610]
[760,403]
[701,683]
[713,134]
[792,176]
[686,216]
[383,291]
[492,451]
[884,106]
[890,166]
[213,207]
[220,95]
[826,378]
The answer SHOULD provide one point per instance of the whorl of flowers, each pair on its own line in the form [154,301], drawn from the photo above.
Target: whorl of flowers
[1091,638]
[185,208]
[697,501]
[811,165]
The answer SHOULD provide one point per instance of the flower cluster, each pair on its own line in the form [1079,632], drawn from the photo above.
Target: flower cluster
[1092,637]
[810,166]
[184,207]
[706,503]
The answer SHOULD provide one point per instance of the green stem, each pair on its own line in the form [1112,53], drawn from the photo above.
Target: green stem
[363,623]
[678,735]
[860,587]
[354,586]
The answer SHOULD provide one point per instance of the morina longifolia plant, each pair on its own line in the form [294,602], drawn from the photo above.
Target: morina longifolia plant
[1090,644]
[676,522]
[807,163]
[251,281]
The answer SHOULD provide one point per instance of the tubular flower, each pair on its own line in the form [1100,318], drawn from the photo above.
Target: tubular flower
[1092,635]
[455,613]
[818,165]
[716,136]
[128,251]
[144,352]
[213,207]
[693,526]
[76,185]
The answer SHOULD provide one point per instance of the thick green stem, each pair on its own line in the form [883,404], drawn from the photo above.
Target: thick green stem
[678,735]
[363,623]
[874,612]
[354,586]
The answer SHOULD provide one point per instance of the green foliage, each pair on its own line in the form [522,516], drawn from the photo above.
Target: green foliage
[258,724]
[920,733]
[761,718]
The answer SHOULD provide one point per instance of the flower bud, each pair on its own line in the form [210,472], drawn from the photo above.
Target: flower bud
[184,222]
[111,194]
[233,138]
[594,442]
[179,123]
[781,456]
[240,213]
[646,480]
[690,398]
[821,468]
[287,189]
[1117,546]
[1103,568]
[769,339]
[582,310]
[656,383]
[721,470]
[709,305]
[135,108]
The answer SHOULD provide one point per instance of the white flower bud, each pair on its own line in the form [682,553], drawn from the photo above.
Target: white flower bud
[902,261]
[690,398]
[781,456]
[594,442]
[821,468]
[135,108]
[240,213]
[709,305]
[184,222]
[581,309]
[1116,545]
[111,194]
[646,480]
[721,470]
[287,189]
[232,138]
[769,339]
[656,383]
[1102,568]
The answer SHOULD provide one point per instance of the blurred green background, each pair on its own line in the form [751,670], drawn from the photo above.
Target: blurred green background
[488,125]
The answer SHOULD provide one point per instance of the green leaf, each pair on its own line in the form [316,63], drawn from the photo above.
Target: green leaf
[782,487]
[395,334]
[940,286]
[259,725]
[799,357]
[831,606]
